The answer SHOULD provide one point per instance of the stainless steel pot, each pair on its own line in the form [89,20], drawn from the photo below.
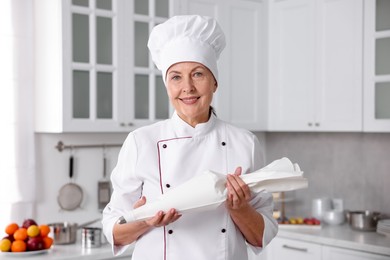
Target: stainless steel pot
[65,232]
[364,220]
[91,237]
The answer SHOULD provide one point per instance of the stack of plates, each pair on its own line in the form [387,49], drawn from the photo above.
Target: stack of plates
[383,227]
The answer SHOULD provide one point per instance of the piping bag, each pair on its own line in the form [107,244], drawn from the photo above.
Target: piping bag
[208,190]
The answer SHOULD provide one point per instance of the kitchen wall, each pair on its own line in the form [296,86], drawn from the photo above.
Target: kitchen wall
[352,166]
[53,172]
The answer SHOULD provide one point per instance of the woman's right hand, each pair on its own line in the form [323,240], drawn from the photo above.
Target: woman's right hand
[161,218]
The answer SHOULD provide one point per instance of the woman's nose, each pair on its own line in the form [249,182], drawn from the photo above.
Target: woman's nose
[189,86]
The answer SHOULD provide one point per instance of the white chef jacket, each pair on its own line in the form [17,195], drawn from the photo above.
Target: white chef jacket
[163,155]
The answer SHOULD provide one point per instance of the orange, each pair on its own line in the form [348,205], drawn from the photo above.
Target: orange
[47,242]
[11,228]
[20,234]
[33,231]
[45,230]
[18,246]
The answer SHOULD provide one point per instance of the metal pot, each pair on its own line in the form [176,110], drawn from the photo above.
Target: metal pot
[65,232]
[91,237]
[364,220]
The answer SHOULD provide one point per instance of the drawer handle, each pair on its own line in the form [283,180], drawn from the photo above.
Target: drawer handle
[295,248]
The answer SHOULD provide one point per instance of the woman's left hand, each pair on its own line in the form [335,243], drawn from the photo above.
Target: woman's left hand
[239,194]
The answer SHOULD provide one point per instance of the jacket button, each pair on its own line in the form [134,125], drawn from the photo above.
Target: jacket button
[170,231]
[164,146]
[167,185]
[223,230]
[223,143]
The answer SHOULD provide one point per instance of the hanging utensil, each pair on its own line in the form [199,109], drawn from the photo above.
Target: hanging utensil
[70,195]
[104,186]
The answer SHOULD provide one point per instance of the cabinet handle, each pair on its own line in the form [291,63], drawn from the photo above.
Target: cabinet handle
[122,124]
[317,124]
[130,124]
[309,124]
[295,248]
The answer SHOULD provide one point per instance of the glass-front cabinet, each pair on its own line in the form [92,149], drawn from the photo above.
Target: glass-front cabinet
[377,66]
[93,69]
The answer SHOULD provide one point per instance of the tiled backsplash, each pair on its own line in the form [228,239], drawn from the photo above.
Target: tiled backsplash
[352,166]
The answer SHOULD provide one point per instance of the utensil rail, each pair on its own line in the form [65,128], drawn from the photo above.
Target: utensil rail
[61,146]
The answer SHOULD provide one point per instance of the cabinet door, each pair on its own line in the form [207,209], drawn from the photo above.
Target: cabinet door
[334,253]
[316,62]
[282,248]
[241,95]
[291,65]
[339,66]
[376,66]
[91,87]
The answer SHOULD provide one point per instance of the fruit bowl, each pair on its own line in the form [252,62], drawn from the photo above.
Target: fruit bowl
[299,223]
[26,253]
[26,239]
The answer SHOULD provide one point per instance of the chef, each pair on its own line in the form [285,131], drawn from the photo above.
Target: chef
[157,158]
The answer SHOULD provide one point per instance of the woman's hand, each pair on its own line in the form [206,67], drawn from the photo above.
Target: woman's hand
[244,216]
[161,218]
[239,194]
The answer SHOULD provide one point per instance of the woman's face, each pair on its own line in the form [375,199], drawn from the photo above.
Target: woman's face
[190,87]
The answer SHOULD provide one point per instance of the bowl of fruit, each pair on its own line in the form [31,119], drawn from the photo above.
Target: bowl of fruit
[28,238]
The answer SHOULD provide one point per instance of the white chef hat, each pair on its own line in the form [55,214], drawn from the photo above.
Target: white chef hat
[187,38]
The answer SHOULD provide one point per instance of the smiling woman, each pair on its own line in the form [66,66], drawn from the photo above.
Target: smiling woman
[17,165]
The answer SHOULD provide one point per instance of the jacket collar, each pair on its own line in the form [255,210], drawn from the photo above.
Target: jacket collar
[183,129]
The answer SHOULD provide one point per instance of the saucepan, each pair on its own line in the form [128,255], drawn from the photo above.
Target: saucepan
[363,220]
[65,232]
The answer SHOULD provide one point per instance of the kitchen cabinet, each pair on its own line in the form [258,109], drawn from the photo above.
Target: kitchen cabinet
[93,72]
[292,249]
[241,96]
[315,65]
[377,66]
[335,253]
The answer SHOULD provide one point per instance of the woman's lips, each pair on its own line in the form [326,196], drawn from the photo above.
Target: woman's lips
[189,100]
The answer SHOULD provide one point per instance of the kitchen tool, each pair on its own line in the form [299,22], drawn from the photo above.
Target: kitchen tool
[65,232]
[363,220]
[334,217]
[70,195]
[319,206]
[91,237]
[104,187]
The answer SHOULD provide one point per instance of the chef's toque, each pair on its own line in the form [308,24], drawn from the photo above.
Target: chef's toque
[190,38]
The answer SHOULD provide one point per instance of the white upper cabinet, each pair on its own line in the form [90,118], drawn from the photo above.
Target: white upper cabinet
[377,66]
[315,65]
[241,96]
[93,71]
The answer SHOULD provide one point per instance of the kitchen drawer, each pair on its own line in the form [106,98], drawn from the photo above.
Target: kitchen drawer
[334,253]
[281,248]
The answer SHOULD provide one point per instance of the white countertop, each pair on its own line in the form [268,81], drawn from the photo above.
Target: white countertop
[340,236]
[337,236]
[74,251]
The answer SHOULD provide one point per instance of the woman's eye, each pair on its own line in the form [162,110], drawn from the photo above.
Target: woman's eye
[198,74]
[176,77]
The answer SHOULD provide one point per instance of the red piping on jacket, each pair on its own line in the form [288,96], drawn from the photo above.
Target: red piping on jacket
[161,183]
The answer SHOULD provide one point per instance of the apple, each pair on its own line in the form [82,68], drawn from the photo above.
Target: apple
[35,243]
[10,238]
[28,222]
[316,221]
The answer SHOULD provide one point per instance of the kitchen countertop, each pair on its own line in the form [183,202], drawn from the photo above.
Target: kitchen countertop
[340,236]
[74,251]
